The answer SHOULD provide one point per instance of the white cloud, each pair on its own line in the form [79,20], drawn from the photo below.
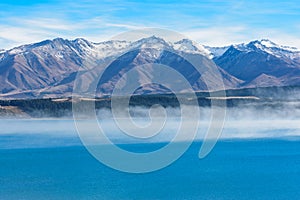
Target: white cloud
[224,36]
[280,37]
[12,36]
[99,28]
[23,31]
[218,36]
[126,26]
[49,23]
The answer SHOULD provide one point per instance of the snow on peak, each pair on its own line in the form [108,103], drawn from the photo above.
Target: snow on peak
[108,48]
[267,43]
[183,45]
[152,39]
[82,42]
[116,47]
[269,47]
[217,51]
[152,42]
[60,40]
[190,46]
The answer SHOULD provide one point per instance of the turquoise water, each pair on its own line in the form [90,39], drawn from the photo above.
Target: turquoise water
[235,169]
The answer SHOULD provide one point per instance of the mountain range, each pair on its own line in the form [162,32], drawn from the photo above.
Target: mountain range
[48,68]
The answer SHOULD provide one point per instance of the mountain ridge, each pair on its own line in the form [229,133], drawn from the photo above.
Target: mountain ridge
[49,67]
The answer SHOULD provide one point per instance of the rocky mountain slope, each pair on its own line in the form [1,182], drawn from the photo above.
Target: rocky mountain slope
[262,64]
[49,68]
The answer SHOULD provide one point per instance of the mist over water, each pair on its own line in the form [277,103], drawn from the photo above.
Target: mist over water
[247,122]
[257,157]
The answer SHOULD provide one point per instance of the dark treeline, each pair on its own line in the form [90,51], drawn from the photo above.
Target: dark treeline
[55,108]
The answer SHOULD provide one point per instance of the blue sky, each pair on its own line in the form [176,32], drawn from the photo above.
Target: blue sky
[210,22]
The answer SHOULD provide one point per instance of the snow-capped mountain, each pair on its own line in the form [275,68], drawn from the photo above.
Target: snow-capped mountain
[216,51]
[262,63]
[102,49]
[48,68]
[269,47]
[190,46]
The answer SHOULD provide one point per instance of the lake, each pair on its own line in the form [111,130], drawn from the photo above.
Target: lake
[44,159]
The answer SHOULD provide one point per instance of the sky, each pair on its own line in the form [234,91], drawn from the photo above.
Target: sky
[209,22]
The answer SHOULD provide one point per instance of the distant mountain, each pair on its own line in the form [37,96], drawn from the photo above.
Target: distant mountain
[216,51]
[48,68]
[262,64]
